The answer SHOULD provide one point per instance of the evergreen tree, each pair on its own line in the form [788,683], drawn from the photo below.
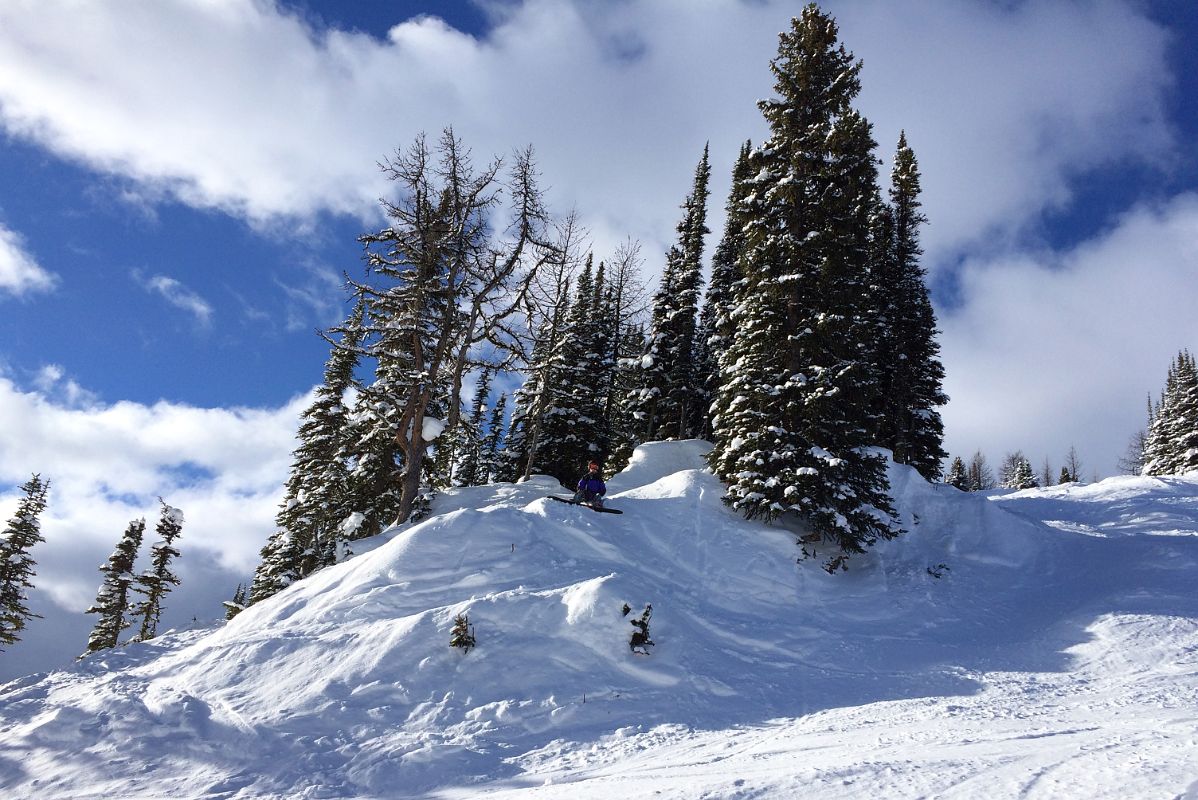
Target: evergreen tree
[112,599]
[1024,478]
[16,566]
[462,635]
[154,583]
[623,401]
[1065,476]
[908,355]
[574,427]
[241,599]
[715,320]
[490,455]
[1017,472]
[793,420]
[1171,447]
[470,469]
[317,498]
[668,400]
[956,476]
[624,306]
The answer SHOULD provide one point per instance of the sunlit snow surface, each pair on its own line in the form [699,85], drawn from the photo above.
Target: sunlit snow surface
[1056,657]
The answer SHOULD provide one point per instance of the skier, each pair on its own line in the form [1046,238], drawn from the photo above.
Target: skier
[591,487]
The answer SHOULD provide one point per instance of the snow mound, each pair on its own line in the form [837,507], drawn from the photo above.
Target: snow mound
[344,685]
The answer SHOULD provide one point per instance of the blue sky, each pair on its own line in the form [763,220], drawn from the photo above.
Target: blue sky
[182,182]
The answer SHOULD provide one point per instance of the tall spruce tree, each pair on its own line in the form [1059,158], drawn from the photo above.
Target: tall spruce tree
[907,353]
[469,469]
[957,476]
[317,498]
[715,319]
[112,598]
[490,455]
[623,309]
[157,581]
[793,422]
[668,400]
[16,566]
[1171,446]
[574,426]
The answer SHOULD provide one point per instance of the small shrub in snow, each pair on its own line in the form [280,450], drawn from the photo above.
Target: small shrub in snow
[462,634]
[938,570]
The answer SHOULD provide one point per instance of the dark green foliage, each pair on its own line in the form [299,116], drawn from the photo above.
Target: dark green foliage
[1171,446]
[490,454]
[241,599]
[112,599]
[470,469]
[1017,472]
[462,634]
[320,494]
[156,582]
[640,641]
[907,354]
[794,419]
[16,566]
[668,400]
[715,321]
[574,426]
[956,476]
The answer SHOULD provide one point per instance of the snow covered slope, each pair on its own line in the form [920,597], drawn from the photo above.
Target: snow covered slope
[1056,656]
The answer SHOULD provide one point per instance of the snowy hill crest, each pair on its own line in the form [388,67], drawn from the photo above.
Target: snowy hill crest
[344,685]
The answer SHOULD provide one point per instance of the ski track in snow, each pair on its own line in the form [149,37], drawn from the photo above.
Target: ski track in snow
[1056,657]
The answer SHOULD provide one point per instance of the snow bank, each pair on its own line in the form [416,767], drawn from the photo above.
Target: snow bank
[344,685]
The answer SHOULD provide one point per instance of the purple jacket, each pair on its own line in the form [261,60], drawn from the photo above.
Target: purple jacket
[593,483]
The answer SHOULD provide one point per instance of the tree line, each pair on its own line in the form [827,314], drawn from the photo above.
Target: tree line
[115,601]
[812,347]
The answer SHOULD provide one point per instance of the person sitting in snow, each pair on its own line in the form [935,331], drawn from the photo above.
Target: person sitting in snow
[590,486]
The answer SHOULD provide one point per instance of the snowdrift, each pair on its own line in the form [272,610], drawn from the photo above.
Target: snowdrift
[345,686]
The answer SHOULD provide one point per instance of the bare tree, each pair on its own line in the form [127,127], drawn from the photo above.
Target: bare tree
[1073,464]
[1132,460]
[454,275]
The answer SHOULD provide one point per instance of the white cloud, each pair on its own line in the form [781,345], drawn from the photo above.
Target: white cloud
[20,274]
[109,463]
[240,106]
[179,296]
[52,382]
[1056,350]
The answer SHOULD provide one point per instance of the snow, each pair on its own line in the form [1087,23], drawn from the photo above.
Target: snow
[431,428]
[1057,656]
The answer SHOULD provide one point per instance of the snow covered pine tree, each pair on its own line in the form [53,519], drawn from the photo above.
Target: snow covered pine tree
[793,418]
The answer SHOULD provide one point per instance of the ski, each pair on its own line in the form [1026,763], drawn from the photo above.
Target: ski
[600,509]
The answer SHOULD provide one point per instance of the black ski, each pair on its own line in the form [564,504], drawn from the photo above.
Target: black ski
[600,509]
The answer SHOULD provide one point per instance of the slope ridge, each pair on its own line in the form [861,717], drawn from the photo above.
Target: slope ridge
[343,685]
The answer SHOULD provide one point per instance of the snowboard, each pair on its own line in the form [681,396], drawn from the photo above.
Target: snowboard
[600,509]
